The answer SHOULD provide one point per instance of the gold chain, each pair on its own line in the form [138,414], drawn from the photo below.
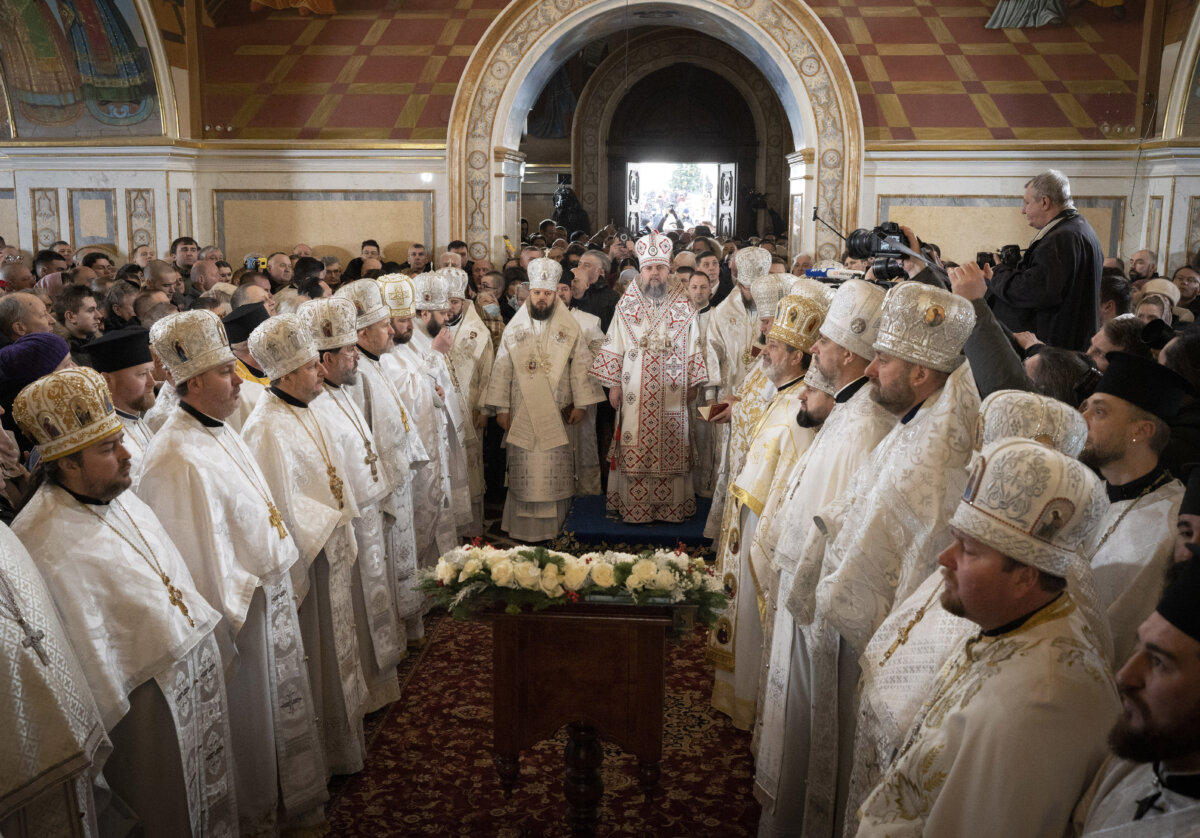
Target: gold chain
[902,634]
[174,595]
[391,389]
[276,519]
[371,457]
[335,482]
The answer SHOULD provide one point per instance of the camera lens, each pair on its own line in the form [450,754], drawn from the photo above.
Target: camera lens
[886,268]
[861,244]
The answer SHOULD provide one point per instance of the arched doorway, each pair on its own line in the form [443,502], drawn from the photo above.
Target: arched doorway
[642,56]
[531,38]
[662,119]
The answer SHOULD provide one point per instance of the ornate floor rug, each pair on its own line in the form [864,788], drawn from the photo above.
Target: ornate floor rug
[429,765]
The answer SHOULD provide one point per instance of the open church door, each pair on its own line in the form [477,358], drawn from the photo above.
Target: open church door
[726,199]
[633,198]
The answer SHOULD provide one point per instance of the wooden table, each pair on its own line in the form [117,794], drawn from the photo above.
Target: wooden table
[599,670]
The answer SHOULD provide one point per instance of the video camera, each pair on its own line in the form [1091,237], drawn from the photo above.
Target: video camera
[1010,255]
[885,247]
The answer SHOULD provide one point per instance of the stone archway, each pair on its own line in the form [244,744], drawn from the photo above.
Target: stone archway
[531,38]
[645,55]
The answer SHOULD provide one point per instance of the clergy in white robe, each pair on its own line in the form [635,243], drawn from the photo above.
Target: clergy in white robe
[406,370]
[209,493]
[298,456]
[1150,784]
[879,539]
[50,729]
[853,428]
[333,325]
[123,358]
[584,450]
[165,402]
[733,341]
[539,387]
[398,445]
[898,675]
[469,362]
[239,323]
[651,362]
[776,442]
[1132,546]
[431,342]
[140,628]
[1025,701]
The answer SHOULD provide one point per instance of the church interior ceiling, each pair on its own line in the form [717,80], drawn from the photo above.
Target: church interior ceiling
[387,70]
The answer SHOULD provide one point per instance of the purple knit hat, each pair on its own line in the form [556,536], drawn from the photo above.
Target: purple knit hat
[29,357]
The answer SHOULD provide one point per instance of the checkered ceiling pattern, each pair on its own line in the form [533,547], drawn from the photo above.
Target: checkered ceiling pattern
[922,70]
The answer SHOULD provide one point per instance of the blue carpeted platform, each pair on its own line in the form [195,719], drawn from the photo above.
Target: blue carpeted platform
[589,526]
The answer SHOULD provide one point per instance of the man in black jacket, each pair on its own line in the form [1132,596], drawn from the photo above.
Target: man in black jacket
[1054,290]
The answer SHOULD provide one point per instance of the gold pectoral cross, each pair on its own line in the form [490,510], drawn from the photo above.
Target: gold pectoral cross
[370,460]
[747,358]
[403,418]
[176,598]
[276,519]
[335,485]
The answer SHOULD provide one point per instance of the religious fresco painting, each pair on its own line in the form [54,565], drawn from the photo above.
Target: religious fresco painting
[77,68]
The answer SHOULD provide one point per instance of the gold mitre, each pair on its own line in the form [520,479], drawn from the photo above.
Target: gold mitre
[798,321]
[190,343]
[399,295]
[367,297]
[456,282]
[282,345]
[66,411]
[332,322]
[544,274]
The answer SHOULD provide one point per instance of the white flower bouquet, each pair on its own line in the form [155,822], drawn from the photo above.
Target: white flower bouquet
[474,576]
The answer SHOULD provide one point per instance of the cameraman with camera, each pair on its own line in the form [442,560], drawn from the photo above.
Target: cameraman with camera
[1054,289]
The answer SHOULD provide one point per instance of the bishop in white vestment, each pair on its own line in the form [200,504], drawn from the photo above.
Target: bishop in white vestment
[1026,700]
[50,729]
[209,493]
[539,387]
[399,446]
[142,631]
[880,538]
[776,442]
[470,362]
[298,455]
[651,362]
[849,434]
[333,325]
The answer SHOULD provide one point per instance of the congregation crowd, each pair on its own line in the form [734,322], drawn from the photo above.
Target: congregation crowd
[955,511]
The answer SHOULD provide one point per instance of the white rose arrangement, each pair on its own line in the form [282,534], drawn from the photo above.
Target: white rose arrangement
[469,578]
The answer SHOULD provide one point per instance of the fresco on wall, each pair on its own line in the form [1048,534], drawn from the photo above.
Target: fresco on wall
[77,68]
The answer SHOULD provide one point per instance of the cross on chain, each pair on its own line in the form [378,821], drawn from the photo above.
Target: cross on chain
[33,640]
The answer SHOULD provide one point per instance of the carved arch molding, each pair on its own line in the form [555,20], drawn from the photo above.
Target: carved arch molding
[647,54]
[795,52]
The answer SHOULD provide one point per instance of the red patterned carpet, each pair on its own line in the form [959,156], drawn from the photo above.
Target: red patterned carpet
[429,769]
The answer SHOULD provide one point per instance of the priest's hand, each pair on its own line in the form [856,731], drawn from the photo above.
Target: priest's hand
[502,419]
[614,397]
[576,416]
[969,281]
[480,421]
[444,341]
[721,413]
[441,393]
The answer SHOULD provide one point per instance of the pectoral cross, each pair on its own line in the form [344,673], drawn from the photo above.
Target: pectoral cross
[404,418]
[901,639]
[335,484]
[33,640]
[276,519]
[370,460]
[176,598]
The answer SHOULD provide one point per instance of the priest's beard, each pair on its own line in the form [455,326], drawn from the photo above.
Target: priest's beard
[805,418]
[1139,738]
[401,339]
[453,321]
[432,327]
[896,397]
[655,290]
[541,312]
